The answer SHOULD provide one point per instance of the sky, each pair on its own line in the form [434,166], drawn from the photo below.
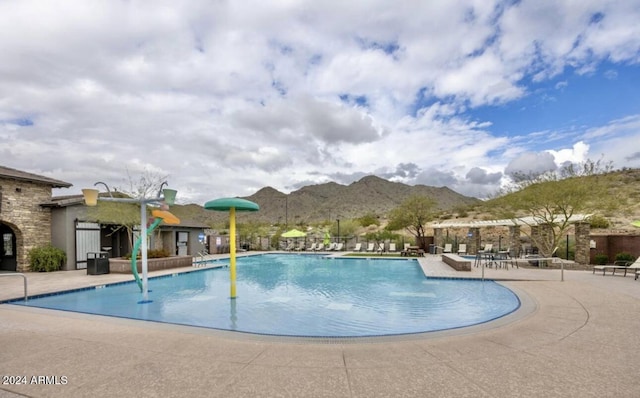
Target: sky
[224,98]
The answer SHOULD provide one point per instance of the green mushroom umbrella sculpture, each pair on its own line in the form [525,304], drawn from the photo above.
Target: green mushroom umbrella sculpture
[232,205]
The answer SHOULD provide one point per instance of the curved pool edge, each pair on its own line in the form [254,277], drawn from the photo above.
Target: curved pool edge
[528,306]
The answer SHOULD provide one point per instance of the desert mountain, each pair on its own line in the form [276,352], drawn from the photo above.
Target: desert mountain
[329,201]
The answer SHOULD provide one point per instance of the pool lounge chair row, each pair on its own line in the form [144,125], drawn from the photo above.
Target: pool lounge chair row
[448,248]
[318,247]
[620,266]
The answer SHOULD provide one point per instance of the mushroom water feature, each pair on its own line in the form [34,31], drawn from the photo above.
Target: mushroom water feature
[232,205]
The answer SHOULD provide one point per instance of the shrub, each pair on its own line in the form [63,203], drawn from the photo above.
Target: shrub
[597,221]
[152,253]
[46,258]
[625,257]
[601,259]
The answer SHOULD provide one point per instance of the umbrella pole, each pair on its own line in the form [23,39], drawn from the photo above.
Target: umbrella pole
[232,250]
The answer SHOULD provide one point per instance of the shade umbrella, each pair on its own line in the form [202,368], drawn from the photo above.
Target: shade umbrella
[231,205]
[294,233]
[636,223]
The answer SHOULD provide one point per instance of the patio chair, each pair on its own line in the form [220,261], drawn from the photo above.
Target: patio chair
[358,247]
[370,247]
[447,248]
[462,248]
[339,247]
[319,246]
[290,247]
[392,247]
[312,247]
[380,248]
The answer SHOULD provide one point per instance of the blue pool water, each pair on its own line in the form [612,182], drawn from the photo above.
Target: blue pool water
[302,295]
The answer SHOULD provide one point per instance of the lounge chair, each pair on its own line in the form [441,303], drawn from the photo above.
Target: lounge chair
[392,247]
[339,247]
[620,266]
[617,265]
[332,246]
[447,248]
[290,247]
[370,247]
[319,246]
[312,247]
[462,249]
[358,247]
[380,248]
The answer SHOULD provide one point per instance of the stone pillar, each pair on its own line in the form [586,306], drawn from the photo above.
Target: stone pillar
[514,240]
[474,239]
[438,240]
[583,230]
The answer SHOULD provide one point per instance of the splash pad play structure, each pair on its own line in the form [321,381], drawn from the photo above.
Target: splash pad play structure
[165,198]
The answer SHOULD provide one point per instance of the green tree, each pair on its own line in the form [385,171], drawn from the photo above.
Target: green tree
[413,215]
[550,200]
[368,219]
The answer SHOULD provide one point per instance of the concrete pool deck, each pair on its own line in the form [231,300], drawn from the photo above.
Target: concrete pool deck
[580,337]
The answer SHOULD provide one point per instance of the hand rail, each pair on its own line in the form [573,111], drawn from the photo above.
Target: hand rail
[25,281]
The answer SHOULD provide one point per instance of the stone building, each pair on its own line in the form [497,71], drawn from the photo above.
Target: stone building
[25,219]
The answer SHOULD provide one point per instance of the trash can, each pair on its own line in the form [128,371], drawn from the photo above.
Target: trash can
[432,249]
[97,263]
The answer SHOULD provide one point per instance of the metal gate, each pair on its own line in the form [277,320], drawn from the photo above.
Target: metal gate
[87,241]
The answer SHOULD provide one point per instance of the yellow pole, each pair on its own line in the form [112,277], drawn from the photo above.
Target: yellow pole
[232,250]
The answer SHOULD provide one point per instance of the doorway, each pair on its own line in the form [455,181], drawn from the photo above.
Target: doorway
[8,249]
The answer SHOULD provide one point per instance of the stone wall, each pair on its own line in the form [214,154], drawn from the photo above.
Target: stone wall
[122,266]
[21,210]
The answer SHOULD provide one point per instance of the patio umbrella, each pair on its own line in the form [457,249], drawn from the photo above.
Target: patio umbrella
[231,205]
[636,223]
[294,233]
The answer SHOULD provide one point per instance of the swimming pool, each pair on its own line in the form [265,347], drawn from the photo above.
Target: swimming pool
[301,295]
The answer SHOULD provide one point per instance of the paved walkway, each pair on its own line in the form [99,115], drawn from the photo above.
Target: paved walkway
[576,338]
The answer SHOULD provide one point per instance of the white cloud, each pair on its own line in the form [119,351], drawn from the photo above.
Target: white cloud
[227,97]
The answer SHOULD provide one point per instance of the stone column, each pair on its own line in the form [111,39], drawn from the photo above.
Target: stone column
[583,230]
[474,239]
[514,240]
[438,240]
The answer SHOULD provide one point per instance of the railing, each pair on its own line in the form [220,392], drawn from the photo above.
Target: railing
[200,255]
[25,281]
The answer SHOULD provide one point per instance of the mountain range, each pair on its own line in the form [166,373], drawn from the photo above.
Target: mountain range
[370,195]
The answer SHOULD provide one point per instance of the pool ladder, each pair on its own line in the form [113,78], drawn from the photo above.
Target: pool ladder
[201,255]
[25,281]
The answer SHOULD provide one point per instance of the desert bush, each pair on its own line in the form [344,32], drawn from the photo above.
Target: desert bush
[601,259]
[597,221]
[625,257]
[46,258]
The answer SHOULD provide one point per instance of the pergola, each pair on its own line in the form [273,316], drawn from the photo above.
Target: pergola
[474,237]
